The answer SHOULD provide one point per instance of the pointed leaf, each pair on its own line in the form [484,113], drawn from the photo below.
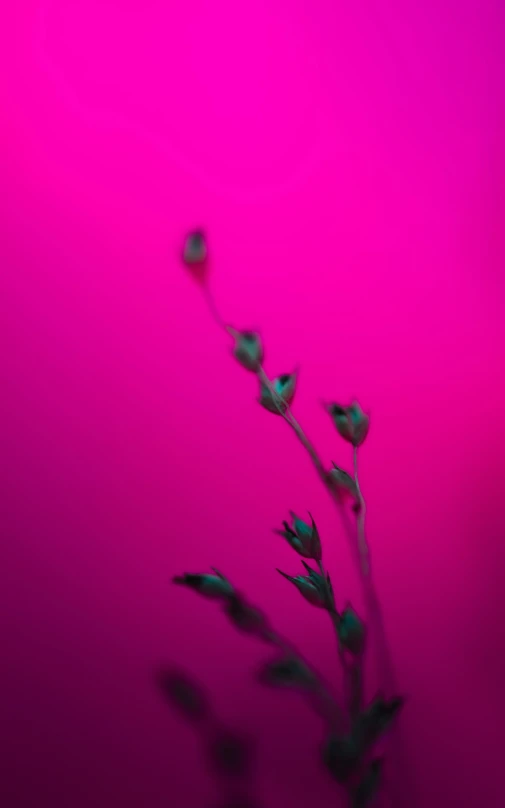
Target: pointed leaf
[316,547]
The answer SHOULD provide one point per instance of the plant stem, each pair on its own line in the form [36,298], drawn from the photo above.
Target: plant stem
[214,311]
[288,416]
[362,559]
[359,550]
[360,519]
[334,616]
[331,606]
[373,605]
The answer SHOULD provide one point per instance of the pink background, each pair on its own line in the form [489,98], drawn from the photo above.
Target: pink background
[347,162]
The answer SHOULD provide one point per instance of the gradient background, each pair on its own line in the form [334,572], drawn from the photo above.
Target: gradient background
[348,165]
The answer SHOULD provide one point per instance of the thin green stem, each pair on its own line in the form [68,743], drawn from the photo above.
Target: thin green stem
[360,519]
[214,311]
[286,413]
[335,618]
[359,548]
[356,544]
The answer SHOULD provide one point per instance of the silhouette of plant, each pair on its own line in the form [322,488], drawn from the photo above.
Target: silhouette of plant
[352,729]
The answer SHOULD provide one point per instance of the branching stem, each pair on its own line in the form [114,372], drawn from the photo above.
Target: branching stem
[356,536]
[360,519]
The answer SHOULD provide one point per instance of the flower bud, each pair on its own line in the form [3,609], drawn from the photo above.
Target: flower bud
[214,586]
[302,537]
[248,349]
[312,586]
[287,671]
[342,483]
[246,618]
[351,422]
[284,387]
[351,631]
[184,694]
[195,248]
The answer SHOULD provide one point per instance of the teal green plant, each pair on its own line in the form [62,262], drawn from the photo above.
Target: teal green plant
[353,729]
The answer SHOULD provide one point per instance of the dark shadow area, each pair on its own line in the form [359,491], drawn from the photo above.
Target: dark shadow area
[229,752]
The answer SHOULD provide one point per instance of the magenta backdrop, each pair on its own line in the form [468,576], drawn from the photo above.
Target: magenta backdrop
[349,168]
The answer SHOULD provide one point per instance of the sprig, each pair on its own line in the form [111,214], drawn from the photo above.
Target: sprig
[345,755]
